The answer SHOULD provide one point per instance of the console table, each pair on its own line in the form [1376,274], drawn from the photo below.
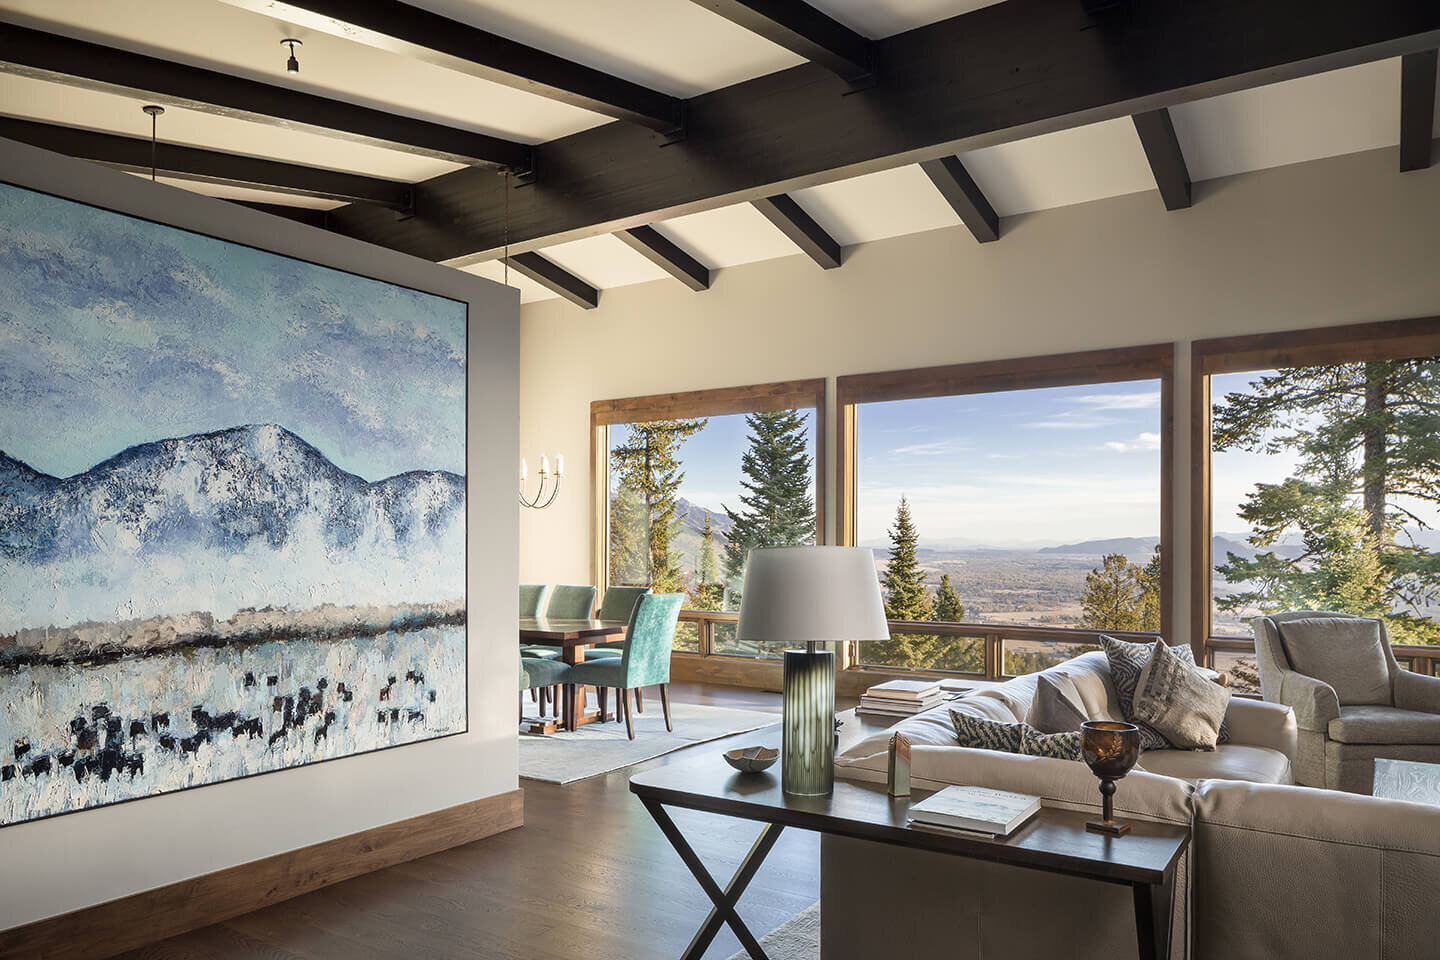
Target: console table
[1053,840]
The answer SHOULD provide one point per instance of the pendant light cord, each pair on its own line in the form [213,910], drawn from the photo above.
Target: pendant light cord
[506,259]
[154,118]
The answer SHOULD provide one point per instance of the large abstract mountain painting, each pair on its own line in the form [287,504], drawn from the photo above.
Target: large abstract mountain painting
[232,510]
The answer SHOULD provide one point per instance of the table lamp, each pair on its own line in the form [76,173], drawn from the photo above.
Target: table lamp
[810,595]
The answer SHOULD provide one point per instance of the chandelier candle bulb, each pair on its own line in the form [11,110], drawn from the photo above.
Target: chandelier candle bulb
[559,465]
[523,470]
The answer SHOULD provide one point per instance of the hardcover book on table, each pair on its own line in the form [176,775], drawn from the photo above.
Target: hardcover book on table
[980,809]
[904,689]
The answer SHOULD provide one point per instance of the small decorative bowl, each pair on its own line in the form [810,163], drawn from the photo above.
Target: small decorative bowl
[751,759]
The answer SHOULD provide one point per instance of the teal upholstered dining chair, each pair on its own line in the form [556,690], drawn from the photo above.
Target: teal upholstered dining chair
[550,675]
[567,602]
[645,660]
[533,597]
[619,604]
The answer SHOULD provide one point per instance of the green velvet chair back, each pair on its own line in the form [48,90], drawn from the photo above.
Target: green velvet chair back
[646,660]
[532,599]
[569,602]
[619,602]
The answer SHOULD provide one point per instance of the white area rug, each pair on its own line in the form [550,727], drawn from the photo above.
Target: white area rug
[602,747]
[796,939]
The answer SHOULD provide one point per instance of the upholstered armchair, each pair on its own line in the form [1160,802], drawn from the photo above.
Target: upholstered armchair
[1352,701]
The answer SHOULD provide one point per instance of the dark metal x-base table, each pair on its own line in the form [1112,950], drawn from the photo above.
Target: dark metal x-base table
[1054,840]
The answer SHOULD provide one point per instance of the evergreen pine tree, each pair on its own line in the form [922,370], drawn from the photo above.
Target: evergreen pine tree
[708,593]
[776,507]
[1150,586]
[948,607]
[648,463]
[629,536]
[1112,598]
[906,595]
[1366,434]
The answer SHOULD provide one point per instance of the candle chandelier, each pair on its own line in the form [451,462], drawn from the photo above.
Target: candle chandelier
[541,500]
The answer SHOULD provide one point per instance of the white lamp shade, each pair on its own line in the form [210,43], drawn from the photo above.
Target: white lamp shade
[811,594]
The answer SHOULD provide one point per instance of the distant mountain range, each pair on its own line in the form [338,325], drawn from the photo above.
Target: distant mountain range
[249,512]
[691,517]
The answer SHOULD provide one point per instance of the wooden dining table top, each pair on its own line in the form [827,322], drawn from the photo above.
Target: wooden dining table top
[554,631]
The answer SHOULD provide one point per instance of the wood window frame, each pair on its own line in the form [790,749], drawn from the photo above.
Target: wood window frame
[723,401]
[1350,343]
[1118,365]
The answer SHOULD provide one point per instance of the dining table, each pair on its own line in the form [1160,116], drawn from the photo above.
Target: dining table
[573,637]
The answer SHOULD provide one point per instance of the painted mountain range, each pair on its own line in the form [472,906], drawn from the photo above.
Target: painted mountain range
[243,517]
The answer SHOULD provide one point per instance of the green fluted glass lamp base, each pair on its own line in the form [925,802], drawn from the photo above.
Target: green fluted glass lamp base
[807,749]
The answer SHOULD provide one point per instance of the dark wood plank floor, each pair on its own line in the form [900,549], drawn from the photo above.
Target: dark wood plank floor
[589,877]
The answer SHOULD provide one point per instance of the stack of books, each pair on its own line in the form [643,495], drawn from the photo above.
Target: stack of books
[900,698]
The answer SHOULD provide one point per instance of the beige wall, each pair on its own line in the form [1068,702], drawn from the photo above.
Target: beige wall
[51,866]
[1333,241]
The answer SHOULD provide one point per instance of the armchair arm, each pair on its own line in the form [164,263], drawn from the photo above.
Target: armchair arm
[1256,723]
[1314,701]
[1415,691]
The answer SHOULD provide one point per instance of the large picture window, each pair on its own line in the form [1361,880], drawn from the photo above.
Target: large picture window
[690,482]
[1322,484]
[1016,508]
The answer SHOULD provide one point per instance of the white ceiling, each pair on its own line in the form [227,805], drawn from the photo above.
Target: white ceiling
[682,49]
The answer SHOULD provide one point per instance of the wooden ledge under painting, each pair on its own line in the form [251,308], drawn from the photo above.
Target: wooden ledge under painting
[232,510]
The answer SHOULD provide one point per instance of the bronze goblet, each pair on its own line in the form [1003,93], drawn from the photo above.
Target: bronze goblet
[1110,749]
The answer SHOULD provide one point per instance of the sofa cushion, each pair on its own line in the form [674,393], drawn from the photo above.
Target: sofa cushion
[1229,761]
[1056,707]
[1176,701]
[1368,723]
[1346,652]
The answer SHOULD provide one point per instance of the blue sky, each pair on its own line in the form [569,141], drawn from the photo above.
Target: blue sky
[1019,468]
[115,331]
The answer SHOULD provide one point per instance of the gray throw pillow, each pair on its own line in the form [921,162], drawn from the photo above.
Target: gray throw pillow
[1056,707]
[1059,746]
[1127,660]
[1345,652]
[985,734]
[1177,702]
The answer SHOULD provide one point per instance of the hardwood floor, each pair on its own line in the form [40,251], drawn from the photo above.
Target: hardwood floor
[589,877]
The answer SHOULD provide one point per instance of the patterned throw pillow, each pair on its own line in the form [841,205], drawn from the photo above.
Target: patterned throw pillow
[1060,746]
[1175,700]
[984,734]
[1127,660]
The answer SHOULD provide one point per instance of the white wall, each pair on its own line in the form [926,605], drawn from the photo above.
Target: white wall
[1334,241]
[64,863]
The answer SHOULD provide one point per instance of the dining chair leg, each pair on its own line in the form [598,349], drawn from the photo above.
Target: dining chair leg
[522,706]
[629,716]
[665,705]
[604,694]
[572,722]
[534,695]
[619,705]
[639,701]
[555,699]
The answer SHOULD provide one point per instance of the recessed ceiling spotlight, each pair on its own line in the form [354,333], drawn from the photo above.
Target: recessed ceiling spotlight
[292,65]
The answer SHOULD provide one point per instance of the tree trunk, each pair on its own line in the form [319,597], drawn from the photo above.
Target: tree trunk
[1373,469]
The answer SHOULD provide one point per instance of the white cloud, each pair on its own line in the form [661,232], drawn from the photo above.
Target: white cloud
[1120,401]
[1145,441]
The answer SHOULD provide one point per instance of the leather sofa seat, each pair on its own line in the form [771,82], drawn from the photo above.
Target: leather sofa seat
[1366,723]
[1229,761]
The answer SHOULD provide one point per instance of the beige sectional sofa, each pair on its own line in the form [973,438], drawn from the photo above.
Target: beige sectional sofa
[1274,870]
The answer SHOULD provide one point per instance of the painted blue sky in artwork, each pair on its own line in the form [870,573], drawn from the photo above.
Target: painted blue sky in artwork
[115,331]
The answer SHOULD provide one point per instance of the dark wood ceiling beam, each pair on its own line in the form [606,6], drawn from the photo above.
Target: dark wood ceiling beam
[803,30]
[421,35]
[552,276]
[1001,73]
[964,196]
[801,228]
[1167,160]
[306,215]
[1417,109]
[79,63]
[667,255]
[208,166]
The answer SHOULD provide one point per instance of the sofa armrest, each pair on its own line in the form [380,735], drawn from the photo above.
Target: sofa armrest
[1415,691]
[1256,723]
[1314,701]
